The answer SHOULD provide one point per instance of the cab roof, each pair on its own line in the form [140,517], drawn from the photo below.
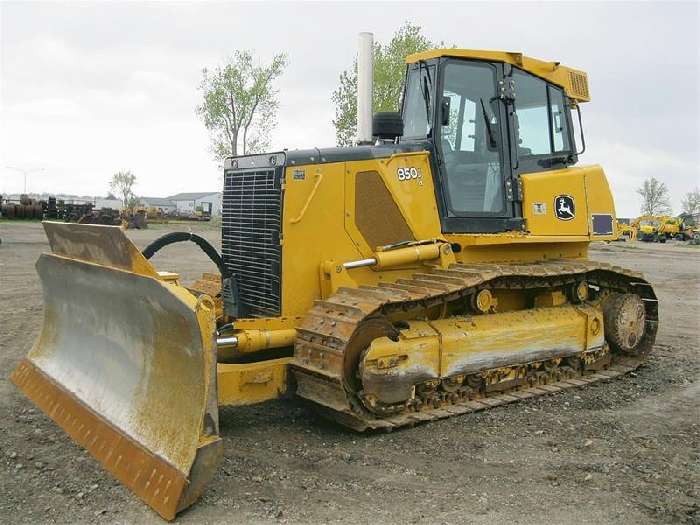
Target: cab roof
[573,81]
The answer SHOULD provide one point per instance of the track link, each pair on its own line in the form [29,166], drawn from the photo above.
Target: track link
[325,355]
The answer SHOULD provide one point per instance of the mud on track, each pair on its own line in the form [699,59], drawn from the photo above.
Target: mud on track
[626,451]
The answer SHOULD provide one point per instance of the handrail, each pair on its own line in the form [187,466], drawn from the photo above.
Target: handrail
[319,178]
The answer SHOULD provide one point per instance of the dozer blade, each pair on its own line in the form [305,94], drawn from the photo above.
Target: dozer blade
[125,364]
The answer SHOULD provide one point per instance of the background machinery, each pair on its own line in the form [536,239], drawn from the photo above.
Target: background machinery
[438,268]
[651,228]
[626,231]
[648,227]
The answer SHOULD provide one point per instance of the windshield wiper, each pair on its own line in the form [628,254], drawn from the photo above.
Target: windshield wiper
[489,131]
[425,91]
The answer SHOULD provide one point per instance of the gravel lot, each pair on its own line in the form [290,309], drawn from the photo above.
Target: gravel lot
[625,451]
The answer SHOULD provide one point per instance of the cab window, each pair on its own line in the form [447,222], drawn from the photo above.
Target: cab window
[540,117]
[560,130]
[416,116]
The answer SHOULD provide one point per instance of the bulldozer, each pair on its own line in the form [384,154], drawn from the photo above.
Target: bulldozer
[437,268]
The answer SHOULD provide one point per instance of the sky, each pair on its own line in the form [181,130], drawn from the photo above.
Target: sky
[88,89]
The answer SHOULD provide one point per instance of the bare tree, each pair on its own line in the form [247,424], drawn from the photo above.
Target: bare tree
[654,195]
[122,184]
[239,105]
[691,202]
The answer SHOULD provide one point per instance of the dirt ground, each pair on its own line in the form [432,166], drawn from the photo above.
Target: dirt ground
[625,451]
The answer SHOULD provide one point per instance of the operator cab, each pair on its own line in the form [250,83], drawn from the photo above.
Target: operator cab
[486,120]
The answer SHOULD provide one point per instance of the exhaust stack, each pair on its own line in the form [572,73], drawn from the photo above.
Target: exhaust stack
[365,68]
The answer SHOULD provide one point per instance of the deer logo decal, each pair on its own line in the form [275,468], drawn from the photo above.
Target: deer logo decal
[564,207]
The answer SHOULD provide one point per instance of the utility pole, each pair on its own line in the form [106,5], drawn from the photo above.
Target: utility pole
[25,172]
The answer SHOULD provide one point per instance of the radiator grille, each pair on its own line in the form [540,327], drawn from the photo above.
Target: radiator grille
[251,224]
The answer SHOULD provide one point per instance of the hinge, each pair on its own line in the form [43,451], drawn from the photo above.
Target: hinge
[514,189]
[506,89]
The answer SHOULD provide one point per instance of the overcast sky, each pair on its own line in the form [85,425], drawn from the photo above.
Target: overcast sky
[88,89]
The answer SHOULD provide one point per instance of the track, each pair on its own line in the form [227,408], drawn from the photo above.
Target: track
[331,338]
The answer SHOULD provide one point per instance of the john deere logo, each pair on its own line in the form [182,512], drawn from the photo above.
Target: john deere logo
[564,207]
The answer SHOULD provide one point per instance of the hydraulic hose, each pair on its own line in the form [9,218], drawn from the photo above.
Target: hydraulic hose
[175,237]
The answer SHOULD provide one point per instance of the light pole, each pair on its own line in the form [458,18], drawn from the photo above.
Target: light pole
[25,173]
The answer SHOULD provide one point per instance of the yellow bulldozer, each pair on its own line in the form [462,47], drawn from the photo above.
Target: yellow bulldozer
[438,268]
[648,227]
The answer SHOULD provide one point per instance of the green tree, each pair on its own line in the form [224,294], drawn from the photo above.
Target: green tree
[389,71]
[691,202]
[239,103]
[123,184]
[655,198]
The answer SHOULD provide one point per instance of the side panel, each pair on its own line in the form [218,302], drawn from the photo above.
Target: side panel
[543,194]
[568,202]
[601,205]
[324,219]
[313,231]
[408,179]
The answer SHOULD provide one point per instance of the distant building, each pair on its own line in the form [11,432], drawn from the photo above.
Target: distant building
[164,204]
[115,204]
[190,202]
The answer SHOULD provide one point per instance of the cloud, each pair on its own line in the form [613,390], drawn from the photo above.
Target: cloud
[90,88]
[628,166]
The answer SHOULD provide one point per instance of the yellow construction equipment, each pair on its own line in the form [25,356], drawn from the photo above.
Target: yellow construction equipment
[626,232]
[660,228]
[647,227]
[438,268]
[134,218]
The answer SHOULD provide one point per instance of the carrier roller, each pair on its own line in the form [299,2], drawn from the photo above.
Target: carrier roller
[125,364]
[439,344]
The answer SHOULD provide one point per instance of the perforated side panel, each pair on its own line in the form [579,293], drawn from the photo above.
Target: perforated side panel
[376,214]
[579,84]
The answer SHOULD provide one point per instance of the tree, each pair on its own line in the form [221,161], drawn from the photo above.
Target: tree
[239,104]
[122,184]
[389,70]
[691,202]
[654,195]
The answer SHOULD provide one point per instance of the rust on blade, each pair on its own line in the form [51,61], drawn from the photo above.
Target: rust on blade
[150,477]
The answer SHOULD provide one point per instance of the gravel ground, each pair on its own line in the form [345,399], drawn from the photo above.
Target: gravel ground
[625,451]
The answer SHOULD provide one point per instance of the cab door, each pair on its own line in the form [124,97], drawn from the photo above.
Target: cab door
[472,143]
